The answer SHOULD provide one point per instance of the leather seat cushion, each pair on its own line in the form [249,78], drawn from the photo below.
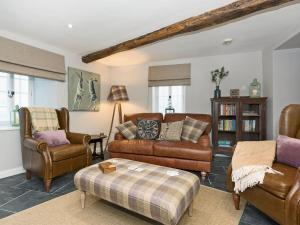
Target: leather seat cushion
[279,185]
[139,147]
[63,152]
[182,150]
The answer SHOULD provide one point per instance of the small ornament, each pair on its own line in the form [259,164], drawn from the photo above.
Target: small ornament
[255,89]
[14,117]
[170,108]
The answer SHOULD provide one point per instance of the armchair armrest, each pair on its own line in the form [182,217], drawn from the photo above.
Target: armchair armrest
[35,145]
[76,138]
[292,209]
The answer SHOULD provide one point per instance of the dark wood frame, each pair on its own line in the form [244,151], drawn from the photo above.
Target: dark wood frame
[259,134]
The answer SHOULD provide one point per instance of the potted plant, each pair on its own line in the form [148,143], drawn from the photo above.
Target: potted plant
[216,76]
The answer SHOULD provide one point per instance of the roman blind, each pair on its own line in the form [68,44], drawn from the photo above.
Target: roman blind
[169,75]
[24,59]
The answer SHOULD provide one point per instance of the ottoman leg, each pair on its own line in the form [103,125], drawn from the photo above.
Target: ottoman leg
[82,199]
[190,209]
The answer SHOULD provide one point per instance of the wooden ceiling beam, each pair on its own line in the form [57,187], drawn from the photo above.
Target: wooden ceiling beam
[208,19]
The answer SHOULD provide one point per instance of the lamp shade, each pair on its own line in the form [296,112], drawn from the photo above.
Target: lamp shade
[118,93]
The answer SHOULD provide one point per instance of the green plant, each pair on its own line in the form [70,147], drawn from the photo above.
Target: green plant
[218,74]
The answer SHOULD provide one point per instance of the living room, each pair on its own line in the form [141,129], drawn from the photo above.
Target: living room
[161,59]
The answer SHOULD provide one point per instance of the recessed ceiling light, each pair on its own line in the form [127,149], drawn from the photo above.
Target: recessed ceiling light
[70,26]
[227,41]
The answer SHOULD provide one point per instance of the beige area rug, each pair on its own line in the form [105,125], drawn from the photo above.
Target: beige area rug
[211,207]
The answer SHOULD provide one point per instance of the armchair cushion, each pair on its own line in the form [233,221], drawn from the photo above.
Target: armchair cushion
[63,152]
[288,151]
[52,138]
[279,185]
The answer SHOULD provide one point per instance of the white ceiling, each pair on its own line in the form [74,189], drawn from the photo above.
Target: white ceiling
[98,24]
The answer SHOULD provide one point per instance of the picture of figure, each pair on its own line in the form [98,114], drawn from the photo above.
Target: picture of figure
[84,90]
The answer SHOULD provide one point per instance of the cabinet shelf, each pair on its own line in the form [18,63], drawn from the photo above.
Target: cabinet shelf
[240,114]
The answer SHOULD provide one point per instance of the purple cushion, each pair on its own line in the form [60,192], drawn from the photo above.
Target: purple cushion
[288,151]
[52,138]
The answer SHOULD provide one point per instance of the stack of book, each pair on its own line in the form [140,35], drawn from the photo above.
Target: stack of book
[224,143]
[250,113]
[249,125]
[227,110]
[227,125]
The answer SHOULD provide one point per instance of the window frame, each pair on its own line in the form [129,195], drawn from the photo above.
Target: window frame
[11,87]
[154,95]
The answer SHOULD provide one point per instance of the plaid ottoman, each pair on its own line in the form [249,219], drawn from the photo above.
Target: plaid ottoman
[153,191]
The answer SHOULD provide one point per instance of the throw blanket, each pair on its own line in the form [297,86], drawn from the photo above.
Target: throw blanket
[43,119]
[250,161]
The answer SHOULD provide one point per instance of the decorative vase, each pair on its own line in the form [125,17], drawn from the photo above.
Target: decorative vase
[255,89]
[217,92]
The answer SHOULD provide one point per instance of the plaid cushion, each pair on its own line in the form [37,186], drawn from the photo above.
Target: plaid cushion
[171,131]
[192,129]
[128,130]
[43,119]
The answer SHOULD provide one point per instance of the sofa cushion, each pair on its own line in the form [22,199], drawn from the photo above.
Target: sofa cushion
[148,129]
[182,150]
[192,129]
[171,131]
[173,117]
[288,151]
[63,152]
[128,129]
[279,185]
[139,147]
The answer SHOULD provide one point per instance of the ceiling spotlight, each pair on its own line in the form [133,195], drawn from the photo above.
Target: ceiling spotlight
[227,41]
[70,25]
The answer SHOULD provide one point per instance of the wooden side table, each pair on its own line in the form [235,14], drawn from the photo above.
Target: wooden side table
[94,140]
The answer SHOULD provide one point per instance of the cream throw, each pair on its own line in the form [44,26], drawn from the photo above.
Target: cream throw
[250,161]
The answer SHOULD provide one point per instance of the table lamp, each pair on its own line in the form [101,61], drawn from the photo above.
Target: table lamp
[117,94]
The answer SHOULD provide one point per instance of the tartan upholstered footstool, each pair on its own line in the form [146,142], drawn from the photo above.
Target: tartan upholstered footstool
[160,193]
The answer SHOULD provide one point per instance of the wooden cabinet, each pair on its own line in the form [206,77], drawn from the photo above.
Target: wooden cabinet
[237,119]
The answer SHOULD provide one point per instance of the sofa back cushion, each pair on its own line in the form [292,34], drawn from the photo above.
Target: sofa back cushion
[146,116]
[172,117]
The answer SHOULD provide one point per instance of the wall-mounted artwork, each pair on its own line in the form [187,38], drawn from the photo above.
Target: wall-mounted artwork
[83,90]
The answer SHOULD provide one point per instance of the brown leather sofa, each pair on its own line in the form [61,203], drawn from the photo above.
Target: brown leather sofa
[50,162]
[177,154]
[278,196]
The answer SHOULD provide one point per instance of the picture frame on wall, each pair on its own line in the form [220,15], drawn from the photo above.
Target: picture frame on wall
[83,90]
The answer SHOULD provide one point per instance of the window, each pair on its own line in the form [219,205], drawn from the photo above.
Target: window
[22,87]
[160,96]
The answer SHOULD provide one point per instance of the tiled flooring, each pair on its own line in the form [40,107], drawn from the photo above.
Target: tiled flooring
[17,193]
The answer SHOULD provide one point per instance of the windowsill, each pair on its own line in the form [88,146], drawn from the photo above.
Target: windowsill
[8,128]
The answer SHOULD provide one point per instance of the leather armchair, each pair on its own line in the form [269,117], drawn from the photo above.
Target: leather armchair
[49,162]
[278,196]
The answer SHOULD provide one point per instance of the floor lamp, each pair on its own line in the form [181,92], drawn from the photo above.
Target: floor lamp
[117,94]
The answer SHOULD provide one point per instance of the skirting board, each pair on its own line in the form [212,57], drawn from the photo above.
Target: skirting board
[11,172]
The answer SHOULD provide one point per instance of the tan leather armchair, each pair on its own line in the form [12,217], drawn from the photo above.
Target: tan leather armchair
[278,196]
[49,162]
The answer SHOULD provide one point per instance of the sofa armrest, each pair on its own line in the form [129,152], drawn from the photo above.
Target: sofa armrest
[77,138]
[204,141]
[35,145]
[292,209]
[119,136]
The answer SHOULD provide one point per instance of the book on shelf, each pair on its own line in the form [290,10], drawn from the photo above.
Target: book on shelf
[227,110]
[249,125]
[227,125]
[250,113]
[224,143]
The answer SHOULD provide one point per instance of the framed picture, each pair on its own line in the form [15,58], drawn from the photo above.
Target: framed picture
[83,90]
[234,93]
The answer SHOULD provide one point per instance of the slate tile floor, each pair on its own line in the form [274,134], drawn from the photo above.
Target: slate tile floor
[17,193]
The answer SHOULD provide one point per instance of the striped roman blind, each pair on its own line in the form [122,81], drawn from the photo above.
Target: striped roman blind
[169,75]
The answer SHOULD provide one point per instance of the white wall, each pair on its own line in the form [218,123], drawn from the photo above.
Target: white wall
[243,69]
[286,80]
[54,94]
